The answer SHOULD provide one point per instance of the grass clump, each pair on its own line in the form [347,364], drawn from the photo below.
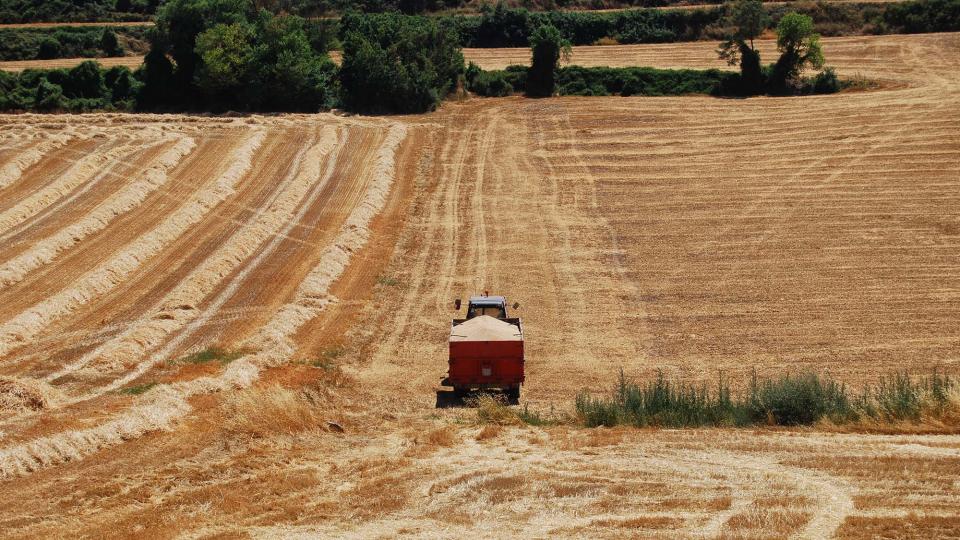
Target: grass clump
[789,400]
[388,281]
[210,354]
[138,389]
[493,410]
[264,411]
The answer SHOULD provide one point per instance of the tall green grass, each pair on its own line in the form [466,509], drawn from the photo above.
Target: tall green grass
[788,400]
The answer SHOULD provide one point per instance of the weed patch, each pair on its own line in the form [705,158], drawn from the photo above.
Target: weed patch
[790,400]
[210,354]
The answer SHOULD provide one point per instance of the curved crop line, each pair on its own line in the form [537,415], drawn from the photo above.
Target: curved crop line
[164,404]
[88,168]
[12,171]
[49,248]
[110,273]
[177,306]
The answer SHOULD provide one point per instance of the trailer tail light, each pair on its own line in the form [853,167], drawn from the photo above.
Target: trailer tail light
[486,371]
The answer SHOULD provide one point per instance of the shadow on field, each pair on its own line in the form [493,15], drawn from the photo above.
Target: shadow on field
[448,399]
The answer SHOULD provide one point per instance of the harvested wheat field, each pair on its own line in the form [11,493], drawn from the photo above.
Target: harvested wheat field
[219,326]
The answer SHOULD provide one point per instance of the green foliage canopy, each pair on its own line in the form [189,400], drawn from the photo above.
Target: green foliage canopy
[393,63]
[799,46]
[547,45]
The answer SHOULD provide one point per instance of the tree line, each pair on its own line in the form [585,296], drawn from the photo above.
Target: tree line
[503,26]
[28,11]
[797,42]
[219,55]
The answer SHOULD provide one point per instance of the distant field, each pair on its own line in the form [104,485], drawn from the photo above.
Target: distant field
[131,62]
[323,253]
[694,55]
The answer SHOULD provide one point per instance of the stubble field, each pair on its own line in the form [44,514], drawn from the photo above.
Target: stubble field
[687,234]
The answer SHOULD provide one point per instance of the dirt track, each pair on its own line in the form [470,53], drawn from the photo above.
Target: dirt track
[688,234]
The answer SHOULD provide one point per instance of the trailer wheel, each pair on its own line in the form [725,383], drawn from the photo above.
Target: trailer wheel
[459,392]
[513,395]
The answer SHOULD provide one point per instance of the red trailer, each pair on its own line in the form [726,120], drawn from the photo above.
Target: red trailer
[486,349]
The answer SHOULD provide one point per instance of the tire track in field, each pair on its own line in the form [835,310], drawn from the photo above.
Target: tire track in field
[291,256]
[436,245]
[24,326]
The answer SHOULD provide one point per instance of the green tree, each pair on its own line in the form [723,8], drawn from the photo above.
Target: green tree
[178,24]
[748,20]
[399,64]
[290,74]
[109,43]
[799,48]
[85,80]
[49,97]
[226,56]
[157,77]
[547,46]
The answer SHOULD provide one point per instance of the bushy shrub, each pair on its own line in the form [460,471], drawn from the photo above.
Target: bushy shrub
[393,63]
[576,80]
[922,16]
[48,48]
[49,96]
[109,43]
[24,11]
[826,82]
[86,87]
[799,400]
[548,46]
[490,84]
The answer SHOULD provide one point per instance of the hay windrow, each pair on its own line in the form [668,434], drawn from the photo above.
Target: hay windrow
[274,338]
[22,394]
[12,171]
[274,222]
[113,271]
[162,405]
[127,199]
[89,168]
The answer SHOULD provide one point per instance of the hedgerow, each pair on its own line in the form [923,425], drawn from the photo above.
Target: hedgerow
[71,42]
[85,87]
[638,81]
